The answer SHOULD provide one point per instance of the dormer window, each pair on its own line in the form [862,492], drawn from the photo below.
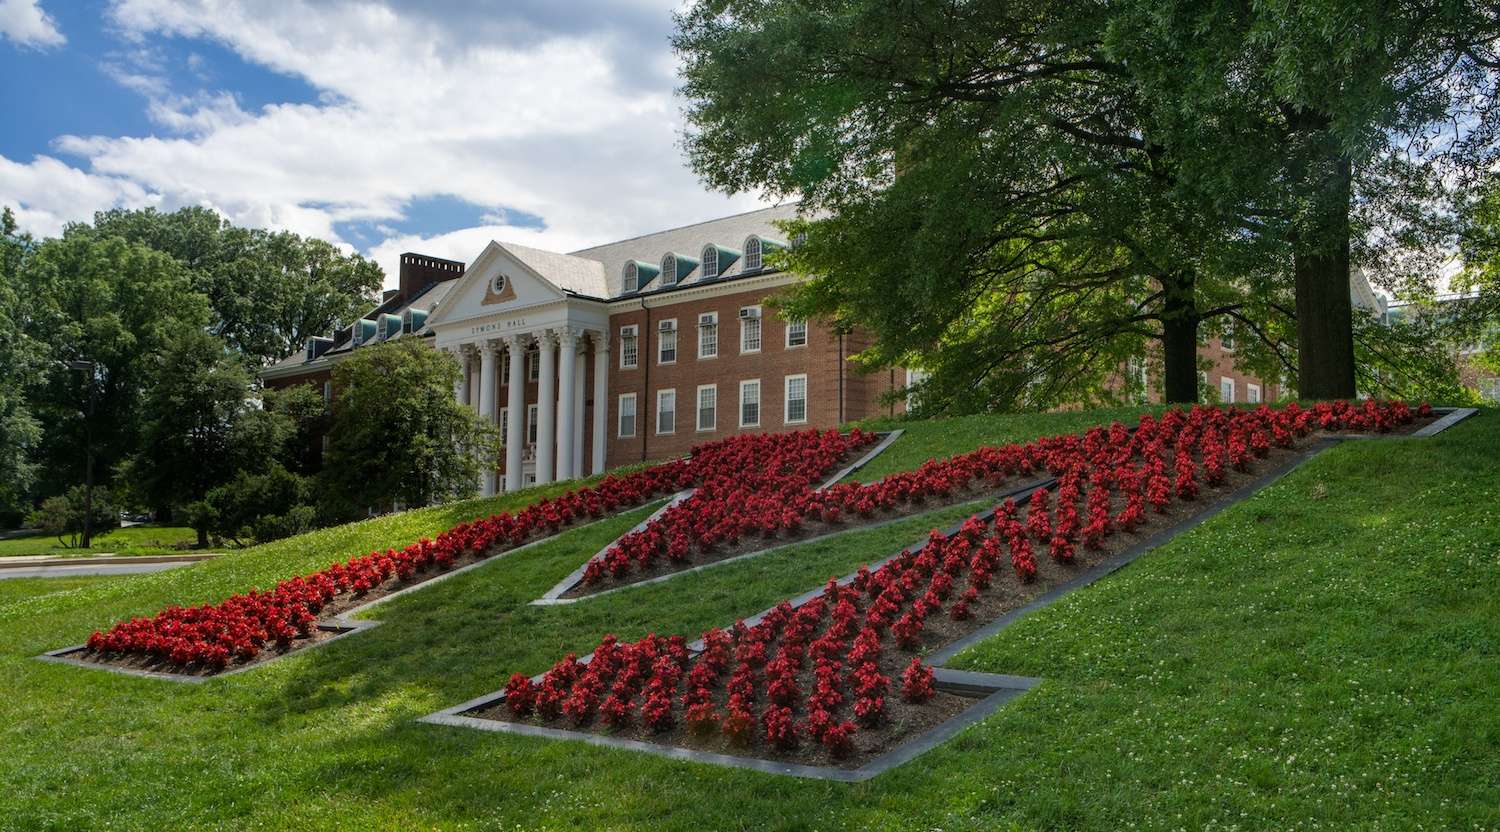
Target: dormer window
[710,261]
[636,275]
[752,254]
[716,260]
[676,267]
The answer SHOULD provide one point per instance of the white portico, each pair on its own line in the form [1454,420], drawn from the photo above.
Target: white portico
[527,326]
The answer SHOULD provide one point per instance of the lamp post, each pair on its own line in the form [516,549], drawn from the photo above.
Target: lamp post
[88,450]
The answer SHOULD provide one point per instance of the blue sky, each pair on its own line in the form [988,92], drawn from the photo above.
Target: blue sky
[428,125]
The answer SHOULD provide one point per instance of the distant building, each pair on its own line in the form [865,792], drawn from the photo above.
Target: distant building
[635,350]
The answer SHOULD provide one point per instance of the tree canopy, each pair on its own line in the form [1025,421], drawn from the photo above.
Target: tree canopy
[1022,193]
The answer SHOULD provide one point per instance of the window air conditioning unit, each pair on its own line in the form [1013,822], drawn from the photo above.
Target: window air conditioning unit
[667,326]
[749,312]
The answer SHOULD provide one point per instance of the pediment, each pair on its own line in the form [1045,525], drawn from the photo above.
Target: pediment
[498,281]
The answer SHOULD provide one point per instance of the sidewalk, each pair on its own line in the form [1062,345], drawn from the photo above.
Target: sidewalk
[103,559]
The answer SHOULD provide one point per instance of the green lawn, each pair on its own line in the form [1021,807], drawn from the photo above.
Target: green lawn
[1324,655]
[132,540]
[18,589]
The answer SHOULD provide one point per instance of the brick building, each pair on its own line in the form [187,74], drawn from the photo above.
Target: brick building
[635,350]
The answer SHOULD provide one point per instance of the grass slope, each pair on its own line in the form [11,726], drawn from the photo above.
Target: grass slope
[1321,656]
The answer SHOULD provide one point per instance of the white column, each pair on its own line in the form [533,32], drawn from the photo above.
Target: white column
[466,364]
[567,366]
[578,401]
[460,384]
[487,355]
[515,427]
[474,375]
[546,401]
[601,398]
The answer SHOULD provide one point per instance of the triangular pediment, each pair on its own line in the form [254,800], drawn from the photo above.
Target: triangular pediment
[498,281]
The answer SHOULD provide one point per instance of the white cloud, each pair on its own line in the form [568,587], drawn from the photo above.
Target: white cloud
[24,22]
[536,115]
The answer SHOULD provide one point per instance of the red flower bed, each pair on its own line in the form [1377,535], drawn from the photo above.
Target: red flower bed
[758,485]
[212,636]
[822,674]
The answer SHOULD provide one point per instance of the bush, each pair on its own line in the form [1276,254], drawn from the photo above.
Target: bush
[62,516]
[258,507]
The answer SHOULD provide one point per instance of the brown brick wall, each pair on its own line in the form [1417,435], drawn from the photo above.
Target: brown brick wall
[819,360]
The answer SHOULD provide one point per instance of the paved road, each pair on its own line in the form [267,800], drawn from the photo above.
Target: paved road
[87,569]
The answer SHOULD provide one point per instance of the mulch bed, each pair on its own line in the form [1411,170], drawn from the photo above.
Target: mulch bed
[906,720]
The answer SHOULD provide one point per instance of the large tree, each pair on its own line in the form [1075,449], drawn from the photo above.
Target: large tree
[397,434]
[268,291]
[116,305]
[1047,177]
[1334,125]
[21,361]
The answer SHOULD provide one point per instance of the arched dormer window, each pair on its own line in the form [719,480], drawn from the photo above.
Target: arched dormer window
[675,268]
[756,247]
[636,276]
[752,254]
[716,260]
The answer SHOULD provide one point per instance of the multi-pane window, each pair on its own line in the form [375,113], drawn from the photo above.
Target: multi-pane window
[1227,339]
[1252,393]
[666,342]
[627,414]
[632,278]
[629,346]
[669,270]
[533,365]
[666,411]
[1226,390]
[796,333]
[796,399]
[505,368]
[708,335]
[504,424]
[531,422]
[710,265]
[752,254]
[750,403]
[750,329]
[708,406]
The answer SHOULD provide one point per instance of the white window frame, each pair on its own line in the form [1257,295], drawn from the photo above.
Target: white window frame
[1226,341]
[713,423]
[1229,398]
[790,326]
[631,336]
[630,278]
[786,400]
[661,341]
[534,365]
[620,416]
[504,425]
[755,382]
[532,420]
[754,256]
[708,322]
[669,393]
[669,276]
[1252,393]
[709,255]
[760,330]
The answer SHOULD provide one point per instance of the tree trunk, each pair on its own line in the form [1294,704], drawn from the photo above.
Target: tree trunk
[203,537]
[1179,341]
[1322,180]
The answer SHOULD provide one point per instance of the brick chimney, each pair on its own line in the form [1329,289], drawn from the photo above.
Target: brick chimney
[418,271]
